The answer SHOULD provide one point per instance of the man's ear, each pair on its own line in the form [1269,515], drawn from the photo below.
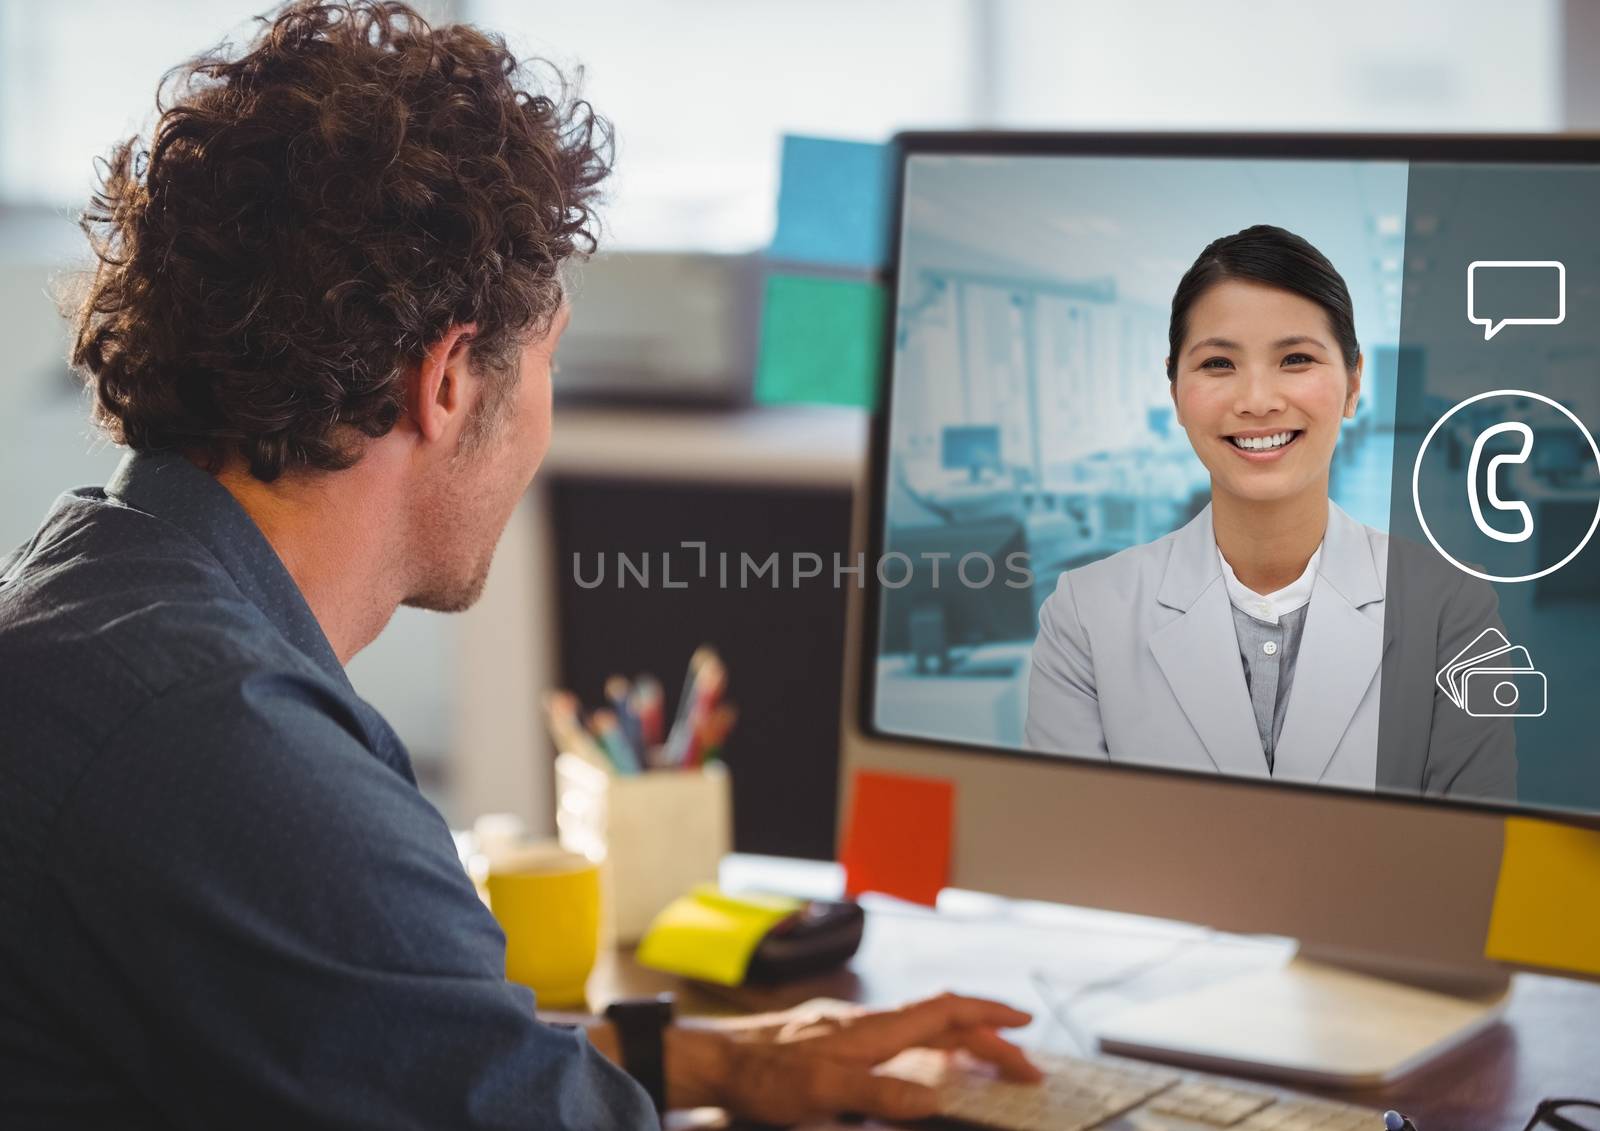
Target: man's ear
[1353,395]
[438,396]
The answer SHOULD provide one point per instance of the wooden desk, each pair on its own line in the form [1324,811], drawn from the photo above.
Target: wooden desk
[1548,1044]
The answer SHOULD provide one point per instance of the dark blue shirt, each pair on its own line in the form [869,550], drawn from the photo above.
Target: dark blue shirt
[223,901]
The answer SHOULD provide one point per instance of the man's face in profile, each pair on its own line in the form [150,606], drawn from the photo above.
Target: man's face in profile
[463,512]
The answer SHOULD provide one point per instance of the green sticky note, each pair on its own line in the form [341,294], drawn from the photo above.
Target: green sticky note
[821,341]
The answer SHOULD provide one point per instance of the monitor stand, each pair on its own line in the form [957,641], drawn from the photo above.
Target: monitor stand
[1308,1021]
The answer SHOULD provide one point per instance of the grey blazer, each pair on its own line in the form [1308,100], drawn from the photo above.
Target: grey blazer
[1137,660]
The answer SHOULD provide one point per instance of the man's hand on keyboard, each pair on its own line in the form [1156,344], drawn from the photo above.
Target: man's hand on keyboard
[809,1063]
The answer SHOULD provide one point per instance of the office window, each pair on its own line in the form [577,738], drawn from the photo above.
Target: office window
[1361,65]
[701,92]
[79,76]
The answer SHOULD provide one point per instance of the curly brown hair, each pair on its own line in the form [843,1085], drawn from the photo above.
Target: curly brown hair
[310,216]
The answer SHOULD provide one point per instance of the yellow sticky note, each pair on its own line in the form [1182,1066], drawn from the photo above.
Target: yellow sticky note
[1547,903]
[712,936]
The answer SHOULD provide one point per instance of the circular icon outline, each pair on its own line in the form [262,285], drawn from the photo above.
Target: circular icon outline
[1416,482]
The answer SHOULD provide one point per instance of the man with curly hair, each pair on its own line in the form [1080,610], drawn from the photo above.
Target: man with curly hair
[323,318]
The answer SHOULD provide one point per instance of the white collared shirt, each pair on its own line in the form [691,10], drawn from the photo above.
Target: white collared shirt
[1269,607]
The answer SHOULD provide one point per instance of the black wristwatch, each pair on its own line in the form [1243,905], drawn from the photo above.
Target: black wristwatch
[641,1024]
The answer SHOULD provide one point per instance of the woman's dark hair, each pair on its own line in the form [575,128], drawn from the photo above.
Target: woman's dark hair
[309,216]
[1277,258]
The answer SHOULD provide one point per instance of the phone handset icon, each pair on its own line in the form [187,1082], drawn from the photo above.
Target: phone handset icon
[1493,483]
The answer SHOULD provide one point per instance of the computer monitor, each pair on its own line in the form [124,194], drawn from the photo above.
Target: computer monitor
[1143,759]
[1560,456]
[973,448]
[944,617]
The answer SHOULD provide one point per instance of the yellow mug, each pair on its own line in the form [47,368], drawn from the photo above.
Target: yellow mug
[547,901]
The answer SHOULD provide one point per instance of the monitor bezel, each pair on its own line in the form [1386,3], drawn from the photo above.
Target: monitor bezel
[1479,149]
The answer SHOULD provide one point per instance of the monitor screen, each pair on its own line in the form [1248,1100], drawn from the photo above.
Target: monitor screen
[972,447]
[1272,460]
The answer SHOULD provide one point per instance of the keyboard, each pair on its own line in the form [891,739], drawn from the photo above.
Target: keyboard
[1112,1094]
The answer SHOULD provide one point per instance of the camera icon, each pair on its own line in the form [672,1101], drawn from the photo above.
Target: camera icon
[1494,678]
[1503,692]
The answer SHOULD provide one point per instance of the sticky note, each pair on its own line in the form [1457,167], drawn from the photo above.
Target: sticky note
[710,935]
[833,203]
[897,840]
[821,341]
[1547,901]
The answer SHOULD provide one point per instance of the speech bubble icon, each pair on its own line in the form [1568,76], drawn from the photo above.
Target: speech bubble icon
[1515,288]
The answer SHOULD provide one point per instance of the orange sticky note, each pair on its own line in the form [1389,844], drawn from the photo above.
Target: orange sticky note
[898,838]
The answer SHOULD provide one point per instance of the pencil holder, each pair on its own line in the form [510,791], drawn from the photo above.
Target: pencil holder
[659,833]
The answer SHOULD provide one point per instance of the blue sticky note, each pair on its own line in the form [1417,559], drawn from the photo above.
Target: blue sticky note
[833,203]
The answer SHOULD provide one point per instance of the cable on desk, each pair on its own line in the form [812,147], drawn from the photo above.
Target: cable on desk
[1060,1009]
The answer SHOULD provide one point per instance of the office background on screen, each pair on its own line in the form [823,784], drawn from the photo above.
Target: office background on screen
[1031,412]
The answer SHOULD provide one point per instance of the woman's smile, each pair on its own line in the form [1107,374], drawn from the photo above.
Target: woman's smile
[1259,446]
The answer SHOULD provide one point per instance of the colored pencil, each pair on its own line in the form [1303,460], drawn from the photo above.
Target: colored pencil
[708,691]
[618,693]
[561,717]
[608,730]
[681,735]
[714,732]
[645,700]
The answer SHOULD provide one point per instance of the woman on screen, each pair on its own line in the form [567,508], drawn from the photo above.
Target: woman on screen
[1249,642]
